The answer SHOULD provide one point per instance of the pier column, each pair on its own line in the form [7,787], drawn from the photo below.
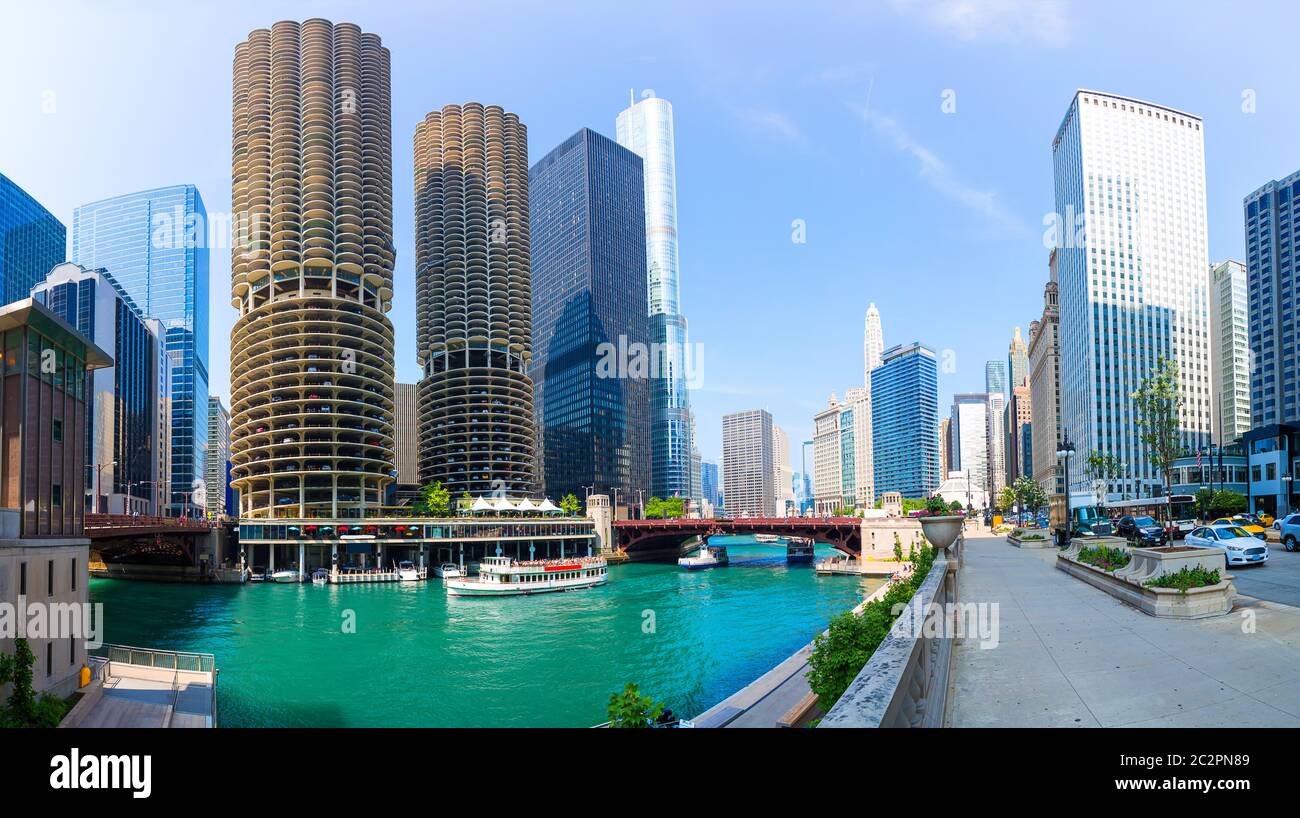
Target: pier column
[302,559]
[271,561]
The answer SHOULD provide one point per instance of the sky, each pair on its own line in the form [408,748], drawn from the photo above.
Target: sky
[828,155]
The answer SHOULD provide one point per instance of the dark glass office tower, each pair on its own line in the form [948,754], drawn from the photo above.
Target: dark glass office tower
[591,352]
[32,241]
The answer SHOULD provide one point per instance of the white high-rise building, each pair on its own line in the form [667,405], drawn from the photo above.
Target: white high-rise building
[782,474]
[1230,344]
[1132,260]
[858,400]
[968,434]
[828,493]
[995,442]
[873,343]
[747,463]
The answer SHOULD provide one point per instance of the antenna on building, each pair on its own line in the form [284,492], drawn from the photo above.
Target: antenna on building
[631,97]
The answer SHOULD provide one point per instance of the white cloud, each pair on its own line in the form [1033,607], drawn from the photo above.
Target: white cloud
[773,123]
[936,173]
[1045,22]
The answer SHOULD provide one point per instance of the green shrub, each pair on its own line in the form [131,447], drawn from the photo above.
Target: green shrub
[631,709]
[1197,577]
[840,654]
[1107,559]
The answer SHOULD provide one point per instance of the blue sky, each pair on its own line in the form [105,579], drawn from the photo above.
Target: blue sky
[831,113]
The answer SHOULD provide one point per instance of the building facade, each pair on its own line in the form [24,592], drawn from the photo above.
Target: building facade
[1044,390]
[1017,361]
[782,474]
[218,458]
[474,301]
[125,453]
[590,363]
[1132,258]
[711,484]
[311,369]
[43,553]
[968,431]
[873,343]
[905,421]
[748,464]
[1230,349]
[995,440]
[154,243]
[646,128]
[406,434]
[1019,417]
[945,446]
[995,377]
[32,241]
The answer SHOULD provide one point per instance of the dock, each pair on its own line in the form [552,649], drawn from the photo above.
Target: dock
[143,687]
[359,577]
[855,567]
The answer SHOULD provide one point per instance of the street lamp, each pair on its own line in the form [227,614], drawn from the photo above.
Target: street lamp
[99,467]
[1063,451]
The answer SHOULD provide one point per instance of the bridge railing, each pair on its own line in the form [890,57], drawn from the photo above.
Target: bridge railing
[905,683]
[142,521]
[786,522]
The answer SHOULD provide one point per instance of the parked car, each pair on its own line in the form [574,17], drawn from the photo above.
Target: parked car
[1241,521]
[1263,518]
[1277,524]
[1289,531]
[1239,546]
[1141,529]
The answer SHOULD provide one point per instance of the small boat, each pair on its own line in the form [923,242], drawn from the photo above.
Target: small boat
[407,572]
[320,576]
[448,570]
[709,556]
[287,575]
[768,539]
[799,549]
[257,574]
[503,576]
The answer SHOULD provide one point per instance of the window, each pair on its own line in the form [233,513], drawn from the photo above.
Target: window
[49,578]
[1270,471]
[56,495]
[57,430]
[49,658]
[73,583]
[72,651]
[22,578]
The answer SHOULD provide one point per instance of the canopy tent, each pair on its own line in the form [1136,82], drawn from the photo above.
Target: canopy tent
[526,505]
[547,506]
[481,504]
[502,504]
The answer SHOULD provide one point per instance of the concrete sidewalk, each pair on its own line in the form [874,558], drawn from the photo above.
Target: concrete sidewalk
[1070,655]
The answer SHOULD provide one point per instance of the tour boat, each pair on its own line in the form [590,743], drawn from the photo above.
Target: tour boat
[503,576]
[768,539]
[447,570]
[407,572]
[287,575]
[800,549]
[709,556]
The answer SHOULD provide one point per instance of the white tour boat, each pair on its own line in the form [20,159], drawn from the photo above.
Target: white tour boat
[768,539]
[447,570]
[709,556]
[503,576]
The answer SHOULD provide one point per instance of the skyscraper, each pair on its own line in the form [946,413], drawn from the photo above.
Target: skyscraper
[587,228]
[945,446]
[1044,392]
[1019,418]
[218,457]
[857,401]
[968,432]
[646,128]
[154,243]
[1132,259]
[782,475]
[127,400]
[828,472]
[1230,345]
[32,241]
[712,484]
[995,439]
[311,369]
[474,301]
[995,377]
[873,343]
[1017,360]
[747,463]
[905,421]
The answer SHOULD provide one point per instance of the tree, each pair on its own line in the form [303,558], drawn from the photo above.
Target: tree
[955,507]
[674,508]
[466,501]
[1029,494]
[435,501]
[1102,467]
[17,669]
[654,508]
[1157,404]
[569,504]
[1006,499]
[631,709]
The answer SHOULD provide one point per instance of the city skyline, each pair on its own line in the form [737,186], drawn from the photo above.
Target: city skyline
[764,118]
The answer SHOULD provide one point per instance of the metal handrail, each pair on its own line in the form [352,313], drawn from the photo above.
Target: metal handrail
[172,659]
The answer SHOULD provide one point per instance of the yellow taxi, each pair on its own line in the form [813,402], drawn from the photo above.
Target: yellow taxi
[1241,522]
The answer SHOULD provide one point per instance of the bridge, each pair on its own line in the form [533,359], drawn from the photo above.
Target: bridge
[644,538]
[129,538]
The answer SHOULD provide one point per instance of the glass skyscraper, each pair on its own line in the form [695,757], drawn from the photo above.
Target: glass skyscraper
[1272,217]
[155,245]
[585,204]
[32,241]
[905,421]
[646,127]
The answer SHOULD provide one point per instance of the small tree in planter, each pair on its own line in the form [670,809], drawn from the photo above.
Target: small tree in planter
[1158,403]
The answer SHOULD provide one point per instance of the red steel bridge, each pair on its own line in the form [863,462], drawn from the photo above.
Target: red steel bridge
[134,538]
[646,536]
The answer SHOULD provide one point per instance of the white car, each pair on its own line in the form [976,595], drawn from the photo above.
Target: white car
[1288,529]
[1238,544]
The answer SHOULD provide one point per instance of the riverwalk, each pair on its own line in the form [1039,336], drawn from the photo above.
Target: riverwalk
[1070,655]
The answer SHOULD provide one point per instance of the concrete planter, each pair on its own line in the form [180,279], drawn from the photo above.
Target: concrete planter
[1030,542]
[1128,584]
[942,531]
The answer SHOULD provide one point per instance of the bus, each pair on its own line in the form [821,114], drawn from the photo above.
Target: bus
[1179,510]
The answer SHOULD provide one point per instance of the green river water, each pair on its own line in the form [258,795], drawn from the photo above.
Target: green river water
[420,658]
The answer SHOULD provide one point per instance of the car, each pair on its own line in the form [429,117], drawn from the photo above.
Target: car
[1289,531]
[1239,546]
[1241,521]
[1143,529]
[1277,524]
[1263,518]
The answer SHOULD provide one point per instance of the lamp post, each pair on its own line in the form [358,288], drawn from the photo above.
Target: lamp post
[1063,451]
[99,468]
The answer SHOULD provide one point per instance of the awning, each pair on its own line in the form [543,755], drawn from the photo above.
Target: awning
[526,505]
[547,506]
[481,504]
[503,504]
